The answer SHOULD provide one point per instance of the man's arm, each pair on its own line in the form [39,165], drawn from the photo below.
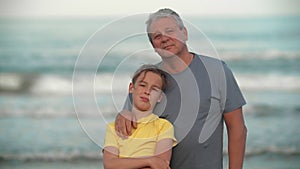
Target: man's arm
[123,123]
[125,120]
[237,133]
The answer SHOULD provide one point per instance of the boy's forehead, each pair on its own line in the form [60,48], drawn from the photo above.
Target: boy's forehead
[145,74]
[149,76]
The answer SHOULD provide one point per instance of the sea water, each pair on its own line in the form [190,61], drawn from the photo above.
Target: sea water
[44,124]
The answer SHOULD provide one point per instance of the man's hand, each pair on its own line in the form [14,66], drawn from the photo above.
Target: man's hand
[123,123]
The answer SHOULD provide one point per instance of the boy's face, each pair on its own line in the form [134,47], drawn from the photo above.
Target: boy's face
[146,91]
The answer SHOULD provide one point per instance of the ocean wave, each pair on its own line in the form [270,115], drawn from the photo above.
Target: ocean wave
[45,107]
[269,109]
[258,55]
[77,155]
[268,82]
[62,85]
[272,150]
[118,83]
[53,156]
[13,82]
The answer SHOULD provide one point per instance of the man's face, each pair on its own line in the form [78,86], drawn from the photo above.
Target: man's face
[167,38]
[146,91]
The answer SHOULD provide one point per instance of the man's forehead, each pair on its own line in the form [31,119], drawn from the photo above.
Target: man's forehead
[156,24]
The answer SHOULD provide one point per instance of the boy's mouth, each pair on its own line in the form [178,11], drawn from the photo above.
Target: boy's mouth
[145,99]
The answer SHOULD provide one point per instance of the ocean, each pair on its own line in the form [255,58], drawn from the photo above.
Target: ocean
[63,79]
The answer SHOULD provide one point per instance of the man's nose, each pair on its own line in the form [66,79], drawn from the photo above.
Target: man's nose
[165,37]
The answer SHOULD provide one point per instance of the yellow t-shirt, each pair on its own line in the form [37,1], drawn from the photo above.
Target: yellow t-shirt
[142,142]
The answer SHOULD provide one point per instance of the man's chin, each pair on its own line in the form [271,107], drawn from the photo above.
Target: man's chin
[167,55]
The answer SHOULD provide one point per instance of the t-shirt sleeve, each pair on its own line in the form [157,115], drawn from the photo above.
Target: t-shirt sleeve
[166,131]
[110,136]
[234,96]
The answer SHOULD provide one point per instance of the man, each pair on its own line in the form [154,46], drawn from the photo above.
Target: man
[196,103]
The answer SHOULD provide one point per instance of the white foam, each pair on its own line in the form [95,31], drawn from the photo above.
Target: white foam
[11,81]
[268,82]
[102,83]
[109,83]
[52,84]
[261,55]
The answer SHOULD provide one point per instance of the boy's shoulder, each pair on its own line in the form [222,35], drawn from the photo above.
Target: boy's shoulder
[164,122]
[111,125]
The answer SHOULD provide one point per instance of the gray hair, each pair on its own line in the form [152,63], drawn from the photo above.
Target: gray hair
[163,13]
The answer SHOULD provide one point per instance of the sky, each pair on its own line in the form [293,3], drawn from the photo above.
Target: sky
[57,8]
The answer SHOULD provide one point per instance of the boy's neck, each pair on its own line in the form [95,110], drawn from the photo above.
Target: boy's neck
[140,114]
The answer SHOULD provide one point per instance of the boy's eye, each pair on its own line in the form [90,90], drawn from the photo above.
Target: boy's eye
[156,89]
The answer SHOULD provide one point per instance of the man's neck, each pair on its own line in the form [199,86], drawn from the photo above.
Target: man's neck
[177,64]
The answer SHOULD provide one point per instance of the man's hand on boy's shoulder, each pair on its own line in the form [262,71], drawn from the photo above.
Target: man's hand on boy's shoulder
[123,123]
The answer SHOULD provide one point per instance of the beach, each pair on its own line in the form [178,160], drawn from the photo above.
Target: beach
[56,96]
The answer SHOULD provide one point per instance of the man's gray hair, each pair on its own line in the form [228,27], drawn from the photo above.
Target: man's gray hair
[163,13]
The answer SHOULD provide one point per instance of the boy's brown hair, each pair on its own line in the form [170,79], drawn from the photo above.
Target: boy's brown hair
[154,69]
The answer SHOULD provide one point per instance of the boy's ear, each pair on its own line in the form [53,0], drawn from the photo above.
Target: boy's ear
[160,97]
[131,88]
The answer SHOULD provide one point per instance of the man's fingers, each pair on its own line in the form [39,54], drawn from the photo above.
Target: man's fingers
[134,122]
[123,123]
[127,128]
[119,122]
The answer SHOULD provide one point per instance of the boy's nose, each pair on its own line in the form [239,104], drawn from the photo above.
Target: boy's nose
[147,91]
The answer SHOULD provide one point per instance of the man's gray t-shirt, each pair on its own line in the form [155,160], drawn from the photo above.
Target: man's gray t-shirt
[186,105]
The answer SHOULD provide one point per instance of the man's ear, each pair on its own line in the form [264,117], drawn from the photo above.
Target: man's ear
[131,88]
[185,34]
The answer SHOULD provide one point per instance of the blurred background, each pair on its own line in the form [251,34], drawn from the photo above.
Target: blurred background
[48,46]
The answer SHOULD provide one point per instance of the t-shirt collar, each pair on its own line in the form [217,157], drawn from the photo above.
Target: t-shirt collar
[148,118]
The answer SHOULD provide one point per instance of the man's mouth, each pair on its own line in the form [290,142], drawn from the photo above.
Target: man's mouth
[167,47]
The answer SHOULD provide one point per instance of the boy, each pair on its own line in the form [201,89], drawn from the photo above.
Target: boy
[150,145]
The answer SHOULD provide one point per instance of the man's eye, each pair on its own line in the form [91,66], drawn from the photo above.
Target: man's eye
[157,36]
[170,30]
